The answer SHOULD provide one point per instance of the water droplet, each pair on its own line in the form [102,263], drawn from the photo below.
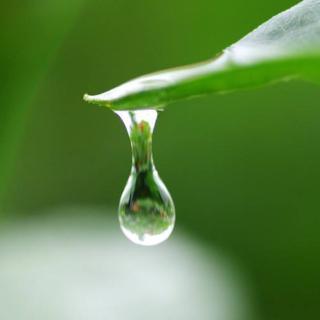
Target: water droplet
[146,209]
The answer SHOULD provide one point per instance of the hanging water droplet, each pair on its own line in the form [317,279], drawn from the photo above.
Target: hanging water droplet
[146,210]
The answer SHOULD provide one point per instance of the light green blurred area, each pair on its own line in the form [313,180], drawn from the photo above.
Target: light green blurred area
[242,168]
[75,264]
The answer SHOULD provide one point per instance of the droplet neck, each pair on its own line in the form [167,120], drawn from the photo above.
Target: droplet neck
[140,125]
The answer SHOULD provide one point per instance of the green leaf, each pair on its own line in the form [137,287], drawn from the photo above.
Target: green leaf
[285,47]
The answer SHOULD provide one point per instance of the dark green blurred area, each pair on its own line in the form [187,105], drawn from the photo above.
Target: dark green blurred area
[243,168]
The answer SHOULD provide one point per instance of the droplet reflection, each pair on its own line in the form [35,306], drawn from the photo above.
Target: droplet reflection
[146,210]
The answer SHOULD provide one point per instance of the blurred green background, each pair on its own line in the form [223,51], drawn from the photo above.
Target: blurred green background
[243,168]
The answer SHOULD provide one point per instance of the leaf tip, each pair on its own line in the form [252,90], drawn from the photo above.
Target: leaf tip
[95,99]
[87,97]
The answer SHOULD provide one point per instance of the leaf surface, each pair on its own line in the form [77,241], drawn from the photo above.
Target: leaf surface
[285,47]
